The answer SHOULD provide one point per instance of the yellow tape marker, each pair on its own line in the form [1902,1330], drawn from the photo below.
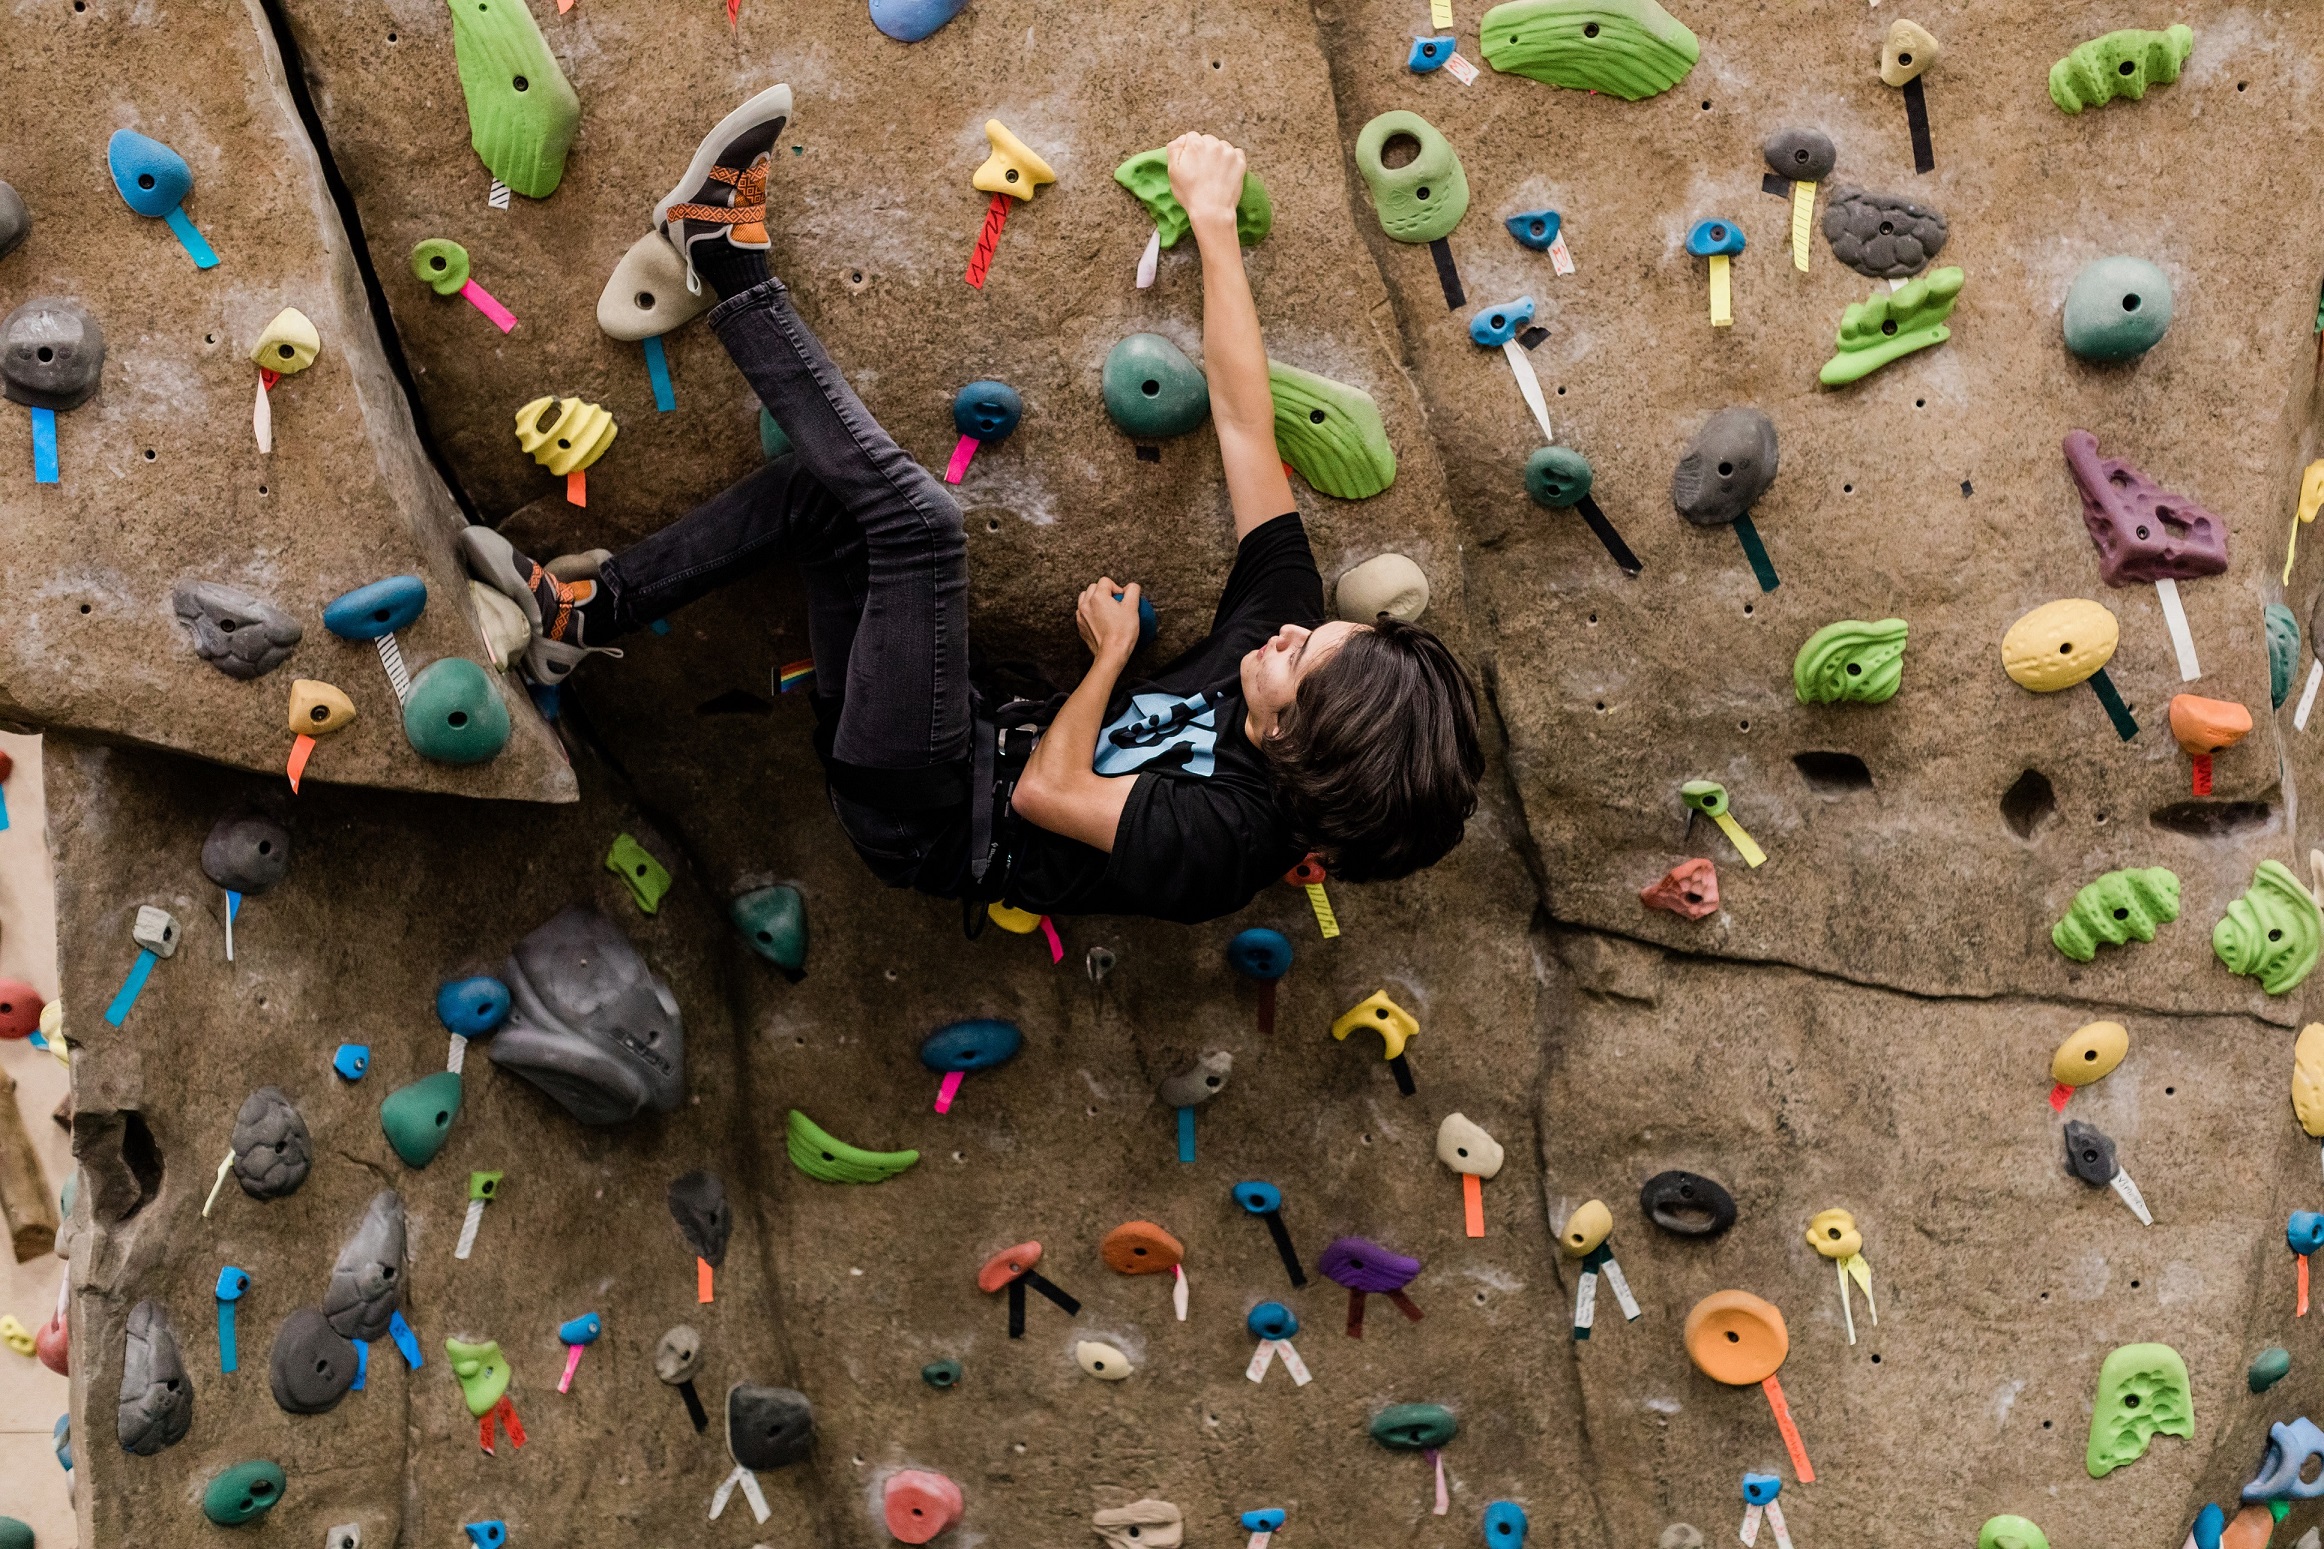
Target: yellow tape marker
[1751,853]
[1803,223]
[1325,920]
[1440,15]
[1722,301]
[2311,501]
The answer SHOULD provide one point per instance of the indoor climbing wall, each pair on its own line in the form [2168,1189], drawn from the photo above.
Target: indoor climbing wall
[1752,602]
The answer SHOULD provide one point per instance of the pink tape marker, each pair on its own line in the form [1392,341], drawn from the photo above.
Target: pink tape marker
[948,1089]
[957,469]
[481,299]
[1056,947]
[1443,1501]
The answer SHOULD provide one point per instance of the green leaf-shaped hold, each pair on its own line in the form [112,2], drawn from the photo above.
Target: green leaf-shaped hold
[1426,197]
[1852,662]
[2119,907]
[648,879]
[2011,1533]
[2120,64]
[2272,932]
[1331,433]
[1624,48]
[441,264]
[521,110]
[481,1370]
[455,715]
[2283,634]
[1152,391]
[243,1493]
[774,921]
[1147,175]
[815,1152]
[418,1118]
[2142,1391]
[1888,327]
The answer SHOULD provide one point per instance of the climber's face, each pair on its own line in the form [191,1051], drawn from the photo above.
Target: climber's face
[1272,673]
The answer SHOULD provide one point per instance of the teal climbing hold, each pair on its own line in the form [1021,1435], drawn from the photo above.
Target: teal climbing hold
[2283,636]
[2117,309]
[1152,391]
[1414,1427]
[772,442]
[2120,907]
[522,112]
[454,714]
[1557,477]
[15,1534]
[418,1118]
[774,921]
[2272,932]
[243,1493]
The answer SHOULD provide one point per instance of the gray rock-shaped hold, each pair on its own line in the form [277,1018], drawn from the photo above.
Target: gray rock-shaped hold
[1727,466]
[271,1150]
[1205,1080]
[312,1366]
[698,1205]
[51,354]
[246,853]
[2089,1153]
[240,635]
[767,1427]
[592,1025]
[15,219]
[367,1282]
[1801,155]
[157,1398]
[1881,235]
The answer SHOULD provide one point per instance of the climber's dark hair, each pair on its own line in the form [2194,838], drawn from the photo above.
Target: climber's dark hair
[1376,763]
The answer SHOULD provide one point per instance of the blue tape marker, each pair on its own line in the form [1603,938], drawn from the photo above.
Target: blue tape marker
[405,1340]
[362,1363]
[658,368]
[129,988]
[1186,1134]
[227,1359]
[44,470]
[182,228]
[3,811]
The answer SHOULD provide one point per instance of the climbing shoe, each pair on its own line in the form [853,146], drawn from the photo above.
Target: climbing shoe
[722,197]
[560,612]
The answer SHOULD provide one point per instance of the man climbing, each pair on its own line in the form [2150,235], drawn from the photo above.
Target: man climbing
[1179,797]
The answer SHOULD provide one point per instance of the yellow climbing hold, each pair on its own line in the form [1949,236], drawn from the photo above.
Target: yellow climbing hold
[2059,644]
[289,345]
[2307,1079]
[576,438]
[1014,168]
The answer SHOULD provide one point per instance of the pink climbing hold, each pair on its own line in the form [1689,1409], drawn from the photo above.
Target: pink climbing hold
[919,1505]
[1691,889]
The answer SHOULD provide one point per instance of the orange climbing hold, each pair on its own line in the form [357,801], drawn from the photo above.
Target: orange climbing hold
[1691,889]
[2203,727]
[919,1504]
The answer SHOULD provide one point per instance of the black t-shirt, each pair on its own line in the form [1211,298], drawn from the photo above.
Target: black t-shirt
[1201,833]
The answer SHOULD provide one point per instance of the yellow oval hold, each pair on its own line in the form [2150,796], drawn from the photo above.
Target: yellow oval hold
[1586,1228]
[1833,1234]
[2308,1079]
[2092,1052]
[317,709]
[2059,644]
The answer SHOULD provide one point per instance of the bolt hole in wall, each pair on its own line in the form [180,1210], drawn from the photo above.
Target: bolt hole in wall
[2212,819]
[1832,774]
[2029,802]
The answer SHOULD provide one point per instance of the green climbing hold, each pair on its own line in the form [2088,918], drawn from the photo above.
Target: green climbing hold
[772,442]
[418,1118]
[2120,64]
[818,1154]
[2142,1391]
[243,1493]
[1426,197]
[2272,932]
[2283,635]
[1147,175]
[521,110]
[15,1534]
[1850,662]
[2268,1368]
[2010,1533]
[1624,48]
[1331,433]
[1558,477]
[1891,326]
[454,714]
[1152,391]
[1414,1427]
[941,1374]
[2119,907]
[774,921]
[648,879]
[2117,309]
[481,1370]
[441,264]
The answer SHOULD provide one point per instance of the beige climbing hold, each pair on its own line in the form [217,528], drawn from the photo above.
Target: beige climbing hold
[289,345]
[1013,168]
[2307,1079]
[1587,1227]
[1385,583]
[1102,1361]
[317,709]
[576,438]
[1833,1234]
[1147,1524]
[1909,50]
[501,623]
[647,295]
[2093,1051]
[1465,1148]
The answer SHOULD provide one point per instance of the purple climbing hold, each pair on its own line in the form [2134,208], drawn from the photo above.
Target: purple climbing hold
[1363,1265]
[2143,531]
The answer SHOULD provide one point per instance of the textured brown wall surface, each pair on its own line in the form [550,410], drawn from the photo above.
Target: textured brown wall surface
[1867,1022]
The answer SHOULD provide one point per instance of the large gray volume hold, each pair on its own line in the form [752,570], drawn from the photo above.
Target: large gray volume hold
[157,1397]
[312,1366]
[51,354]
[768,1427]
[592,1025]
[1729,464]
[246,853]
[272,1151]
[367,1282]
[241,635]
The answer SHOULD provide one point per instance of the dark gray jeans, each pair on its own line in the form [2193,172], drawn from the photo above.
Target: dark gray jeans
[880,541]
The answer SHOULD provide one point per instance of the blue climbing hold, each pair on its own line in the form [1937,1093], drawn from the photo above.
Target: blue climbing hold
[61,1437]
[153,179]
[1267,1519]
[1429,54]
[1715,238]
[486,1535]
[582,1330]
[351,1060]
[1258,1198]
[1259,953]
[2305,1231]
[232,1282]
[987,410]
[908,21]
[974,1045]
[1760,1489]
[381,608]
[1505,1525]
[1535,229]
[2210,1522]
[472,1007]
[1147,624]
[1272,1320]
[1496,326]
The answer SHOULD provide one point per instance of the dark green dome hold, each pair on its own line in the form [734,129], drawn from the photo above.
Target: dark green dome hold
[774,921]
[418,1118]
[243,1493]
[455,715]
[1152,391]
[1557,477]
